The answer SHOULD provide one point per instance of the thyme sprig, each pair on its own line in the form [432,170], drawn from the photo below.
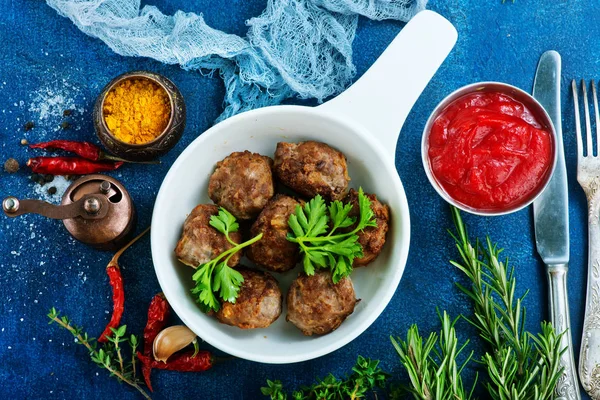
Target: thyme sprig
[365,378]
[110,355]
[520,365]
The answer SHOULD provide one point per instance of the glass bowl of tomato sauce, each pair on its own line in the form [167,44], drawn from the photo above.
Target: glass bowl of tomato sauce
[489,148]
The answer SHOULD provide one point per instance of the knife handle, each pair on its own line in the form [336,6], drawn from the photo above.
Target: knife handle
[567,387]
[589,357]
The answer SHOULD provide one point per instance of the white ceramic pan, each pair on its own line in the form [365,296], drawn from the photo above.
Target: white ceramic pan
[363,123]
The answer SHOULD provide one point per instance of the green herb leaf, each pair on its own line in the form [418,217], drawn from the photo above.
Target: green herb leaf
[309,268]
[227,282]
[335,249]
[366,377]
[224,222]
[122,330]
[343,268]
[295,225]
[203,289]
[338,213]
[216,277]
[317,217]
[367,217]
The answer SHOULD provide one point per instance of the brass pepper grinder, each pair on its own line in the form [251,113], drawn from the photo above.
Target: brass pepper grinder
[96,210]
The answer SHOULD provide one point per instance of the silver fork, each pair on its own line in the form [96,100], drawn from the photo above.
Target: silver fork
[588,176]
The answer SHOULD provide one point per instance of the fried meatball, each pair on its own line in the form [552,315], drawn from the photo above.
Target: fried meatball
[258,304]
[274,252]
[200,242]
[371,238]
[312,168]
[316,305]
[242,183]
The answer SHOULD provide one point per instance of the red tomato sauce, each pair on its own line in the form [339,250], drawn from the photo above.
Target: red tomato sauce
[488,151]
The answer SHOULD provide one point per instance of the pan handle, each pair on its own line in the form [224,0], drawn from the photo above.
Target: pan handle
[382,98]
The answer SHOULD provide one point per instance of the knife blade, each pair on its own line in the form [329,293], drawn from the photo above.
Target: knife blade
[550,210]
[551,221]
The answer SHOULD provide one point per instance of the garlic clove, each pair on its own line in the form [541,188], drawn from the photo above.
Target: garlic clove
[170,340]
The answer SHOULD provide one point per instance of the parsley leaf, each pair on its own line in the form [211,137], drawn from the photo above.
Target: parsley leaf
[367,216]
[310,220]
[339,215]
[216,277]
[225,223]
[227,282]
[325,247]
[203,289]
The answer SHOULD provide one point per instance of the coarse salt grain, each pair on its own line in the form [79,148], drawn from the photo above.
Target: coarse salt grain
[60,183]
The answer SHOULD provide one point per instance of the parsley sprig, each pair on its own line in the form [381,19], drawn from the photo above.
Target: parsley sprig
[216,278]
[316,229]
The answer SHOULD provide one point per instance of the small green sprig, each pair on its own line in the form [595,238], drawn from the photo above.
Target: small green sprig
[520,365]
[365,378]
[110,355]
[216,277]
[316,229]
[431,363]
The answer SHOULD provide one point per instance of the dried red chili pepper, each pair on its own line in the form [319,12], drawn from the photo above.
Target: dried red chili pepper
[158,313]
[69,165]
[82,149]
[182,362]
[116,282]
[85,150]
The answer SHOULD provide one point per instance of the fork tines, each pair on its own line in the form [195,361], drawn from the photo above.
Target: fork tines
[588,125]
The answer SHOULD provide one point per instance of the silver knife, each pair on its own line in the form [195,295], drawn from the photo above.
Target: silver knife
[551,219]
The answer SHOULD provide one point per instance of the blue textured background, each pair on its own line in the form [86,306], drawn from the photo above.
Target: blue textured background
[40,266]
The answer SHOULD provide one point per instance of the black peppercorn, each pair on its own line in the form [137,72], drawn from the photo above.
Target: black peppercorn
[28,125]
[65,125]
[51,190]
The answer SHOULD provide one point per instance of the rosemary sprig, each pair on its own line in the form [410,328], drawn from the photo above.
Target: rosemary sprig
[431,363]
[109,356]
[521,366]
[365,378]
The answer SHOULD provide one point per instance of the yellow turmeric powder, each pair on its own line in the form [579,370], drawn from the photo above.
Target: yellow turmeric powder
[136,111]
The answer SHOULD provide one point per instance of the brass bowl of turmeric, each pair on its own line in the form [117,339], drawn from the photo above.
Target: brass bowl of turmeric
[139,115]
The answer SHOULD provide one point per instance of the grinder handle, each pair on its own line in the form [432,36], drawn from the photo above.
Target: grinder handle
[90,206]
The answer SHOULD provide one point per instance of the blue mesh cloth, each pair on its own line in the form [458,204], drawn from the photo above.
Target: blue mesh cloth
[297,48]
